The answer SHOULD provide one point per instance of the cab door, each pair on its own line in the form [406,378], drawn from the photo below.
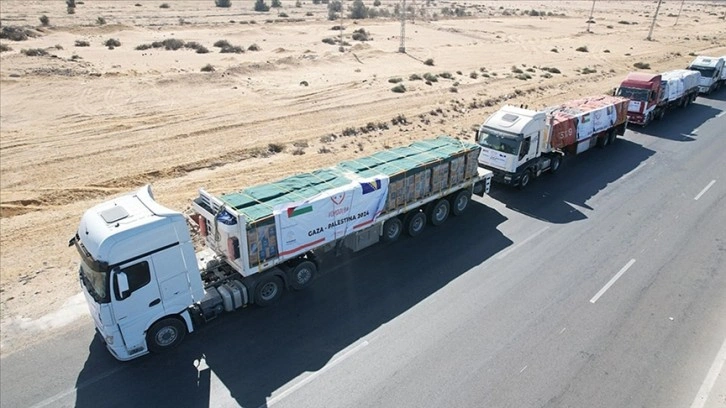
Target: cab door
[528,148]
[136,300]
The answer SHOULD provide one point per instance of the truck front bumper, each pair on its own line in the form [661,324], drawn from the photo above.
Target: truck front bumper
[503,177]
[636,118]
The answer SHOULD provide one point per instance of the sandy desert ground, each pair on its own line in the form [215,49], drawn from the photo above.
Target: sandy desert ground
[84,123]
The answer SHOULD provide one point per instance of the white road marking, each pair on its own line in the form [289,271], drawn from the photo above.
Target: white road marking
[314,375]
[563,330]
[721,114]
[631,172]
[704,190]
[513,248]
[610,283]
[710,379]
[695,131]
[522,370]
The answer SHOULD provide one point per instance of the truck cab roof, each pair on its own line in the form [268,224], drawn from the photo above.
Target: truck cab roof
[105,229]
[512,119]
[641,79]
[706,62]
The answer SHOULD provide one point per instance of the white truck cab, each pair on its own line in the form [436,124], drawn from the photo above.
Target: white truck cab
[138,265]
[712,72]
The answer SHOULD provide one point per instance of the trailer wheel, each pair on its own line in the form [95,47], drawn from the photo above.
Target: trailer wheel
[165,335]
[555,163]
[460,202]
[603,141]
[439,212]
[613,135]
[524,181]
[415,223]
[392,229]
[302,274]
[268,290]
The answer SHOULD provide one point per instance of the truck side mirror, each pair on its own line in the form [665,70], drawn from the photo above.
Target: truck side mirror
[122,285]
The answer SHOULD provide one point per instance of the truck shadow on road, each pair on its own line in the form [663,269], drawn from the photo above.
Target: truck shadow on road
[243,358]
[556,197]
[679,124]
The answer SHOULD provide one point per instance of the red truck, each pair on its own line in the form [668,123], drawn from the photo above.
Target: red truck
[651,95]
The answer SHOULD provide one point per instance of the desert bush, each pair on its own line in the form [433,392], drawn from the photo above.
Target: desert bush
[254,47]
[446,75]
[44,20]
[34,52]
[609,26]
[283,15]
[337,28]
[137,4]
[473,75]
[324,150]
[546,75]
[71,6]
[606,51]
[554,50]
[642,65]
[4,48]
[260,5]
[552,70]
[588,70]
[15,33]
[429,62]
[112,43]
[275,4]
[232,49]
[399,120]
[164,5]
[275,147]
[140,47]
[207,68]
[173,44]
[376,3]
[100,20]
[298,3]
[330,41]
[82,43]
[222,43]
[453,89]
[582,49]
[350,131]
[361,35]
[223,3]
[624,22]
[523,77]
[304,83]
[358,10]
[516,70]
[415,77]
[395,80]
[299,151]
[430,77]
[309,14]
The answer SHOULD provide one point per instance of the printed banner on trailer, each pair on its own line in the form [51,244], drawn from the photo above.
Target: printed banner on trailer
[330,215]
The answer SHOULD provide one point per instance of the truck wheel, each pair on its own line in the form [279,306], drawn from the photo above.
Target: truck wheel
[165,335]
[392,229]
[460,202]
[524,181]
[268,291]
[603,141]
[555,163]
[416,223]
[613,135]
[302,274]
[439,212]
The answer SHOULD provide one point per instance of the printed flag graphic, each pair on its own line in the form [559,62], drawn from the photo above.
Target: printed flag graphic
[295,211]
[370,186]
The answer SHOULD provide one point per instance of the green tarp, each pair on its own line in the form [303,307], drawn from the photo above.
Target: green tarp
[257,203]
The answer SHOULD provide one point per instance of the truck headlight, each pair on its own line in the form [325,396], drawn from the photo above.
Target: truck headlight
[508,178]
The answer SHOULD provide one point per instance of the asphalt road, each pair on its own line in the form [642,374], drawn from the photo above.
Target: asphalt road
[600,286]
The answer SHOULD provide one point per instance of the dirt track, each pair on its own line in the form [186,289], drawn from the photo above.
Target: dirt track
[78,130]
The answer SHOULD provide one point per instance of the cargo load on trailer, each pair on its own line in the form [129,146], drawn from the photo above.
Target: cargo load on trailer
[146,287]
[652,95]
[519,144]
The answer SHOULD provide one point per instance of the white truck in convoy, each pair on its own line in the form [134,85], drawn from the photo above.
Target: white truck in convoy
[147,287]
[520,144]
[713,73]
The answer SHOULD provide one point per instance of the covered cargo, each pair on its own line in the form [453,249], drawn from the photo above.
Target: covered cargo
[288,217]
[678,82]
[578,120]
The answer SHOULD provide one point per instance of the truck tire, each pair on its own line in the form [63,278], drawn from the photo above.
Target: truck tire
[392,229]
[460,202]
[439,212]
[613,135]
[603,141]
[268,290]
[302,274]
[165,334]
[526,178]
[555,163]
[415,223]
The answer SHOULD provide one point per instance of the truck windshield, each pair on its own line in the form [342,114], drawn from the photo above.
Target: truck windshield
[96,282]
[499,143]
[634,94]
[705,72]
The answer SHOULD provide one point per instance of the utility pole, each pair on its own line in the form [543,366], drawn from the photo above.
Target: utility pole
[650,33]
[679,12]
[589,20]
[402,46]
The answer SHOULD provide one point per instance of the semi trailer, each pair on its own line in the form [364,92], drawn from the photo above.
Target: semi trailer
[147,285]
[519,144]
